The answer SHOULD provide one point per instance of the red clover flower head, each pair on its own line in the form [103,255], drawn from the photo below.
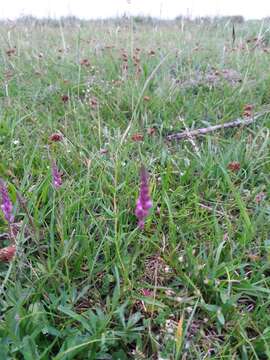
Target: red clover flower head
[6,204]
[144,202]
[7,253]
[56,176]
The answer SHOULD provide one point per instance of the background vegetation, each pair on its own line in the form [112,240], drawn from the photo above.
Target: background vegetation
[86,283]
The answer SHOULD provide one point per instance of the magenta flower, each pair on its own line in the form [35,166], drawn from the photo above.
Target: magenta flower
[6,205]
[144,202]
[56,176]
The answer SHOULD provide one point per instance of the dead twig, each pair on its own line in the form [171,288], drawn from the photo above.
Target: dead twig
[238,122]
[213,210]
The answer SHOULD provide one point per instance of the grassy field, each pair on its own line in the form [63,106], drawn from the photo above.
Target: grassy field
[96,101]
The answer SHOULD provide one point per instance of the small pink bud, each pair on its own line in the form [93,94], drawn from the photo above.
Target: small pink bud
[56,175]
[6,204]
[144,202]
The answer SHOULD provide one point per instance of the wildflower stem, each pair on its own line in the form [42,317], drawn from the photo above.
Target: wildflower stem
[117,235]
[35,231]
[11,235]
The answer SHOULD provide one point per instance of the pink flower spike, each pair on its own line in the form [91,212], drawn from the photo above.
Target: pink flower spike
[6,204]
[56,176]
[144,202]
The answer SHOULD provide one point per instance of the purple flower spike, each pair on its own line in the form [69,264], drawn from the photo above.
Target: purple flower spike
[144,202]
[56,175]
[6,205]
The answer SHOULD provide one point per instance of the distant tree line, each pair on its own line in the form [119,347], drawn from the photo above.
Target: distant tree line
[235,19]
[137,20]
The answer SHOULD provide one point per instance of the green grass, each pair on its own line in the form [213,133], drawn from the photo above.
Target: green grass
[86,283]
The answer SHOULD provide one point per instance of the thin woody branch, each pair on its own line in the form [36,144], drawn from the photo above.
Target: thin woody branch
[202,131]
